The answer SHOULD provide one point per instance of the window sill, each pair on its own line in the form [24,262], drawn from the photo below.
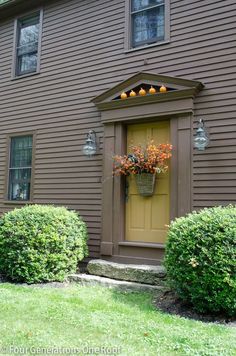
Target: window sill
[17,202]
[24,75]
[146,47]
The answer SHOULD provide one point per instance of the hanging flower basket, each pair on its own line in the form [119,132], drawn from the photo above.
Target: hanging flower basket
[145,184]
[144,164]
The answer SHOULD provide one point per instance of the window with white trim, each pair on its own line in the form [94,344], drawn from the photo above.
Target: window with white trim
[147,22]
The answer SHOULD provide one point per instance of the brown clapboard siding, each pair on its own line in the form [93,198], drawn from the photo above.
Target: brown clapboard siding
[109,75]
[193,4]
[82,56]
[218,184]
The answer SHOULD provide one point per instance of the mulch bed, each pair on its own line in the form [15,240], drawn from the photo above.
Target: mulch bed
[170,303]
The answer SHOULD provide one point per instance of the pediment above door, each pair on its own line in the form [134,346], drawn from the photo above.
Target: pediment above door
[176,88]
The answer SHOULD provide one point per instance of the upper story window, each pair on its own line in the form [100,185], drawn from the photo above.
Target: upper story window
[20,167]
[27,41]
[147,22]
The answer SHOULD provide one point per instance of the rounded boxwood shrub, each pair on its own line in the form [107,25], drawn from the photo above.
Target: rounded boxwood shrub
[40,243]
[201,259]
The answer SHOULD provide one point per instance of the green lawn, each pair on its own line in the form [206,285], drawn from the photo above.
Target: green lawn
[82,317]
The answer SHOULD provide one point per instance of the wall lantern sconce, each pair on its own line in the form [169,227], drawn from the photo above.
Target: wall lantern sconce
[201,140]
[90,147]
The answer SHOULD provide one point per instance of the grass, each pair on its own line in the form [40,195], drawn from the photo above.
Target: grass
[95,317]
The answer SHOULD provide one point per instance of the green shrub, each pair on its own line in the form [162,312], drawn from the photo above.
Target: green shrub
[41,243]
[201,259]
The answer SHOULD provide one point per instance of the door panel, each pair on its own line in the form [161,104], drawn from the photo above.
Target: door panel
[147,217]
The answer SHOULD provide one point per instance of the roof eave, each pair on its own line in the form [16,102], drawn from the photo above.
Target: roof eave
[8,4]
[15,7]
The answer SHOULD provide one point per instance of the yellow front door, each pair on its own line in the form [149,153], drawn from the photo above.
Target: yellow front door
[147,217]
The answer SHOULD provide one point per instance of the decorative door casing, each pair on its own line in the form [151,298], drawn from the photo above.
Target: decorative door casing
[113,244]
[175,106]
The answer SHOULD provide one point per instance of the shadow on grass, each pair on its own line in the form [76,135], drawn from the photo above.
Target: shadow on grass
[168,303]
[142,300]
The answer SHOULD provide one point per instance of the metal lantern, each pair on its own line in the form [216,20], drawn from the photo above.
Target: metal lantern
[90,147]
[201,140]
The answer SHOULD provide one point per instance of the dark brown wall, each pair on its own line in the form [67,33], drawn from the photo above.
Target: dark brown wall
[83,55]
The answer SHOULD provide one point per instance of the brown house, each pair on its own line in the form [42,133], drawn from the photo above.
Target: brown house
[63,67]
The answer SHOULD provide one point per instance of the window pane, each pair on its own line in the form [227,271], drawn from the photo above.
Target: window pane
[31,48]
[21,152]
[28,34]
[32,19]
[148,26]
[19,184]
[142,4]
[27,63]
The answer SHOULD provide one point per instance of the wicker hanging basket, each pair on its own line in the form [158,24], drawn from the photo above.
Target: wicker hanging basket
[145,183]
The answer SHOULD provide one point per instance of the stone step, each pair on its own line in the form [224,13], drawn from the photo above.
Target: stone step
[153,275]
[88,279]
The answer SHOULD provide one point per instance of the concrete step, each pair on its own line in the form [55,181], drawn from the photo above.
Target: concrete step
[87,279]
[153,275]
